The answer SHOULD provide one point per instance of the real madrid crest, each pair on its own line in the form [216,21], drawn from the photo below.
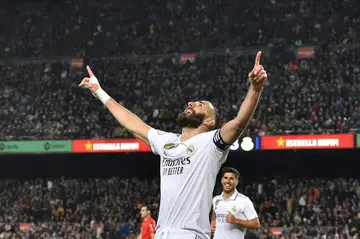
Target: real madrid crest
[190,149]
[233,208]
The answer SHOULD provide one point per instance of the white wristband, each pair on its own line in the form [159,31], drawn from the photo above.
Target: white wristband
[102,95]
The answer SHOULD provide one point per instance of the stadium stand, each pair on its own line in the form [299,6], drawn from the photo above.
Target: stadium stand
[75,28]
[136,49]
[44,100]
[222,57]
[84,208]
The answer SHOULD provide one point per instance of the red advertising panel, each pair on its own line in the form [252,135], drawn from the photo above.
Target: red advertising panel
[25,227]
[306,52]
[323,141]
[77,63]
[109,146]
[275,231]
[187,57]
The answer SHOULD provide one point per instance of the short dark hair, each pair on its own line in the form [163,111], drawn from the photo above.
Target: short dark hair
[147,207]
[230,170]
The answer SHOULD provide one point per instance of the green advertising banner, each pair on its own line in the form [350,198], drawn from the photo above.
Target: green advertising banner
[357,140]
[41,146]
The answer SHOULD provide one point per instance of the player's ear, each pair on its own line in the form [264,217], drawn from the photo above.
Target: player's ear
[210,123]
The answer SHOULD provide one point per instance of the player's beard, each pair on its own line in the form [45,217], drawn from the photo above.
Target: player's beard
[229,190]
[191,120]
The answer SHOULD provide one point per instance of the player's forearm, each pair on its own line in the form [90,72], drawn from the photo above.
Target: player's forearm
[248,107]
[213,224]
[128,120]
[152,235]
[251,224]
[213,218]
[139,237]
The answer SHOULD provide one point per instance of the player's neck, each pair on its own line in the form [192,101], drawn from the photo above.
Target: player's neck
[227,195]
[146,217]
[188,133]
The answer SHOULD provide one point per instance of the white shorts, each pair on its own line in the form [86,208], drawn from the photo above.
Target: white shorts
[178,234]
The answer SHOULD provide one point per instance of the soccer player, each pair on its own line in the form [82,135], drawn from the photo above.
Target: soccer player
[148,225]
[233,212]
[191,160]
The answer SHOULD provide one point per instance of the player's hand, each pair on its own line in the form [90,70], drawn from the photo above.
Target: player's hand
[212,227]
[258,75]
[230,218]
[90,82]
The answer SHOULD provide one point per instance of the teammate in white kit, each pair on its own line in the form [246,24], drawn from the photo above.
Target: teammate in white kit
[233,213]
[191,160]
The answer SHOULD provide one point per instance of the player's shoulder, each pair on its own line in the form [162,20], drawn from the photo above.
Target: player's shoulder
[216,200]
[217,197]
[242,197]
[211,132]
[148,220]
[209,135]
[160,133]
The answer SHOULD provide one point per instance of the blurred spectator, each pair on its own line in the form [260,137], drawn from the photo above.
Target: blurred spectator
[43,100]
[108,208]
[135,50]
[93,208]
[322,96]
[97,28]
[135,47]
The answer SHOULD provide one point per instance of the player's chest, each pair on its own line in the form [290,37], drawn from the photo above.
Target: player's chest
[146,228]
[177,149]
[233,206]
[179,158]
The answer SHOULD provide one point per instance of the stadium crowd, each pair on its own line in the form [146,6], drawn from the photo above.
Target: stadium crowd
[92,28]
[71,208]
[135,49]
[42,100]
[109,208]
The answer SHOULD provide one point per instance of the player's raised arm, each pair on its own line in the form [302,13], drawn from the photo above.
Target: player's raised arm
[127,119]
[232,130]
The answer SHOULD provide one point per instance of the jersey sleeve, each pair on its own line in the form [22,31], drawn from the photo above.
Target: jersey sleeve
[249,210]
[219,142]
[213,203]
[157,139]
[152,227]
[218,147]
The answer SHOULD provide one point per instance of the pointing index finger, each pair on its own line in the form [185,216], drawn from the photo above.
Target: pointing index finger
[257,58]
[89,71]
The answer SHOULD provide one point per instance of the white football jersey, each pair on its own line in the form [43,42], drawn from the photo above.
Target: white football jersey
[240,206]
[188,173]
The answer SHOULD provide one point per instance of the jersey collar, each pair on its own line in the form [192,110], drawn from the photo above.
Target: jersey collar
[233,197]
[147,219]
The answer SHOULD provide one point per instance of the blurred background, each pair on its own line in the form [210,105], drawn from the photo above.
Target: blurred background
[68,170]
